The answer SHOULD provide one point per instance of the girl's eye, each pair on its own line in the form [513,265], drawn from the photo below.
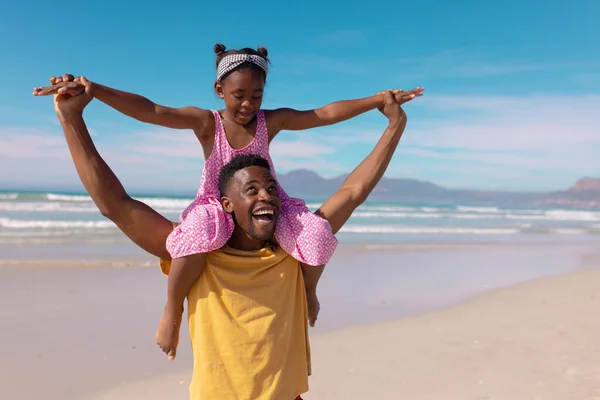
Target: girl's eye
[237,97]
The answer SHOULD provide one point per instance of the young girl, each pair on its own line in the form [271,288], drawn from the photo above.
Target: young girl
[241,128]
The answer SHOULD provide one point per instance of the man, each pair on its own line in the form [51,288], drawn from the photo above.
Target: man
[247,313]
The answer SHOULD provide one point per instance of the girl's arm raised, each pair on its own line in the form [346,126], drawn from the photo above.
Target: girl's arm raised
[294,120]
[143,109]
[133,105]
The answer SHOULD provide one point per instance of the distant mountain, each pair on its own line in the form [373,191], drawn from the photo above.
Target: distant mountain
[584,194]
[309,185]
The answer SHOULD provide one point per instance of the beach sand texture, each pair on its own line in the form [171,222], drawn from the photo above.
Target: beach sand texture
[538,339]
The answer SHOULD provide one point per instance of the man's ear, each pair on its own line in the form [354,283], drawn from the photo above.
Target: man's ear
[219,89]
[227,205]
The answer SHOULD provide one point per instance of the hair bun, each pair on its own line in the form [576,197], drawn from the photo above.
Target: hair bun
[219,48]
[262,52]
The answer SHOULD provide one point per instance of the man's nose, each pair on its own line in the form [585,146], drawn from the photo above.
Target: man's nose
[264,195]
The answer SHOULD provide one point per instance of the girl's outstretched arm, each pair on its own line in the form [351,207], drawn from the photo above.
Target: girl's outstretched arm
[133,105]
[294,120]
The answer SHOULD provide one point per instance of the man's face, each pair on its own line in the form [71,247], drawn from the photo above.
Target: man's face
[252,197]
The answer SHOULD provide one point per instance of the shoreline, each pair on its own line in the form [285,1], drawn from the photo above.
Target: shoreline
[137,257]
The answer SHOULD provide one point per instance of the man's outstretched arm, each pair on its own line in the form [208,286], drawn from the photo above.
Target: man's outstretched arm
[361,182]
[142,224]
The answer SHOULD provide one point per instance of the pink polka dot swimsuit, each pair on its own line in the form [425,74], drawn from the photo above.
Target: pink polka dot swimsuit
[205,226]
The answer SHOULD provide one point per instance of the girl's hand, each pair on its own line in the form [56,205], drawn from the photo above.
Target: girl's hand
[70,94]
[402,97]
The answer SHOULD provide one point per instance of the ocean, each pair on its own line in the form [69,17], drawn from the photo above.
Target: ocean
[66,225]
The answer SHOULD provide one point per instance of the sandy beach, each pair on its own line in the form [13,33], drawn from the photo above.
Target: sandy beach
[499,329]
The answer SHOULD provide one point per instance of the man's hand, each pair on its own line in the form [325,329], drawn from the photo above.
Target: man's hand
[391,107]
[71,95]
[402,97]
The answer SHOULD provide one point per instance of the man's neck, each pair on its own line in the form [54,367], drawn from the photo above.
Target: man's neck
[240,240]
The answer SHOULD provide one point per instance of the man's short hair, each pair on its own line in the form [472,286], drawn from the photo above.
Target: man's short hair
[238,163]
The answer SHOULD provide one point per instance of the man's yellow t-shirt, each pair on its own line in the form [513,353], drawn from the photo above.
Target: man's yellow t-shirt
[248,326]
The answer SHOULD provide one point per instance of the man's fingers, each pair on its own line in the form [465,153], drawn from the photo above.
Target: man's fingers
[389,97]
[63,78]
[75,91]
[392,90]
[72,90]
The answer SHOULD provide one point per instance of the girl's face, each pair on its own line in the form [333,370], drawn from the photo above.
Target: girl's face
[242,92]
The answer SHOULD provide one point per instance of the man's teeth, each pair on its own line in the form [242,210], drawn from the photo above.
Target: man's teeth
[264,212]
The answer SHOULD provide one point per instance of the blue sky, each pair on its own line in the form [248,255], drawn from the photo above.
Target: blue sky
[512,88]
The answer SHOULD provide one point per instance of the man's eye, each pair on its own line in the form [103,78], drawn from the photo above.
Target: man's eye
[251,188]
[273,188]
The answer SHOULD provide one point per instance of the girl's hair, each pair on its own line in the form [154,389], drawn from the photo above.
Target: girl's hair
[260,51]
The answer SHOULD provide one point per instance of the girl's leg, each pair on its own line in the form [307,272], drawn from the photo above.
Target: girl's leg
[307,237]
[185,271]
[312,274]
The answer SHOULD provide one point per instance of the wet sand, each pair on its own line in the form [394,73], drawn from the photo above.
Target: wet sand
[73,332]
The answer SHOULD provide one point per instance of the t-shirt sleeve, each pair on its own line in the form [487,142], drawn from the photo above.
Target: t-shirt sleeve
[165,263]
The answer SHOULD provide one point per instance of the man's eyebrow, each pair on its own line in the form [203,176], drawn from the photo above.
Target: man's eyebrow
[255,181]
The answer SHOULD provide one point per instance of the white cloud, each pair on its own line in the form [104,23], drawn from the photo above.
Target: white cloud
[516,138]
[30,143]
[185,144]
[533,123]
[475,138]
[180,144]
[32,157]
